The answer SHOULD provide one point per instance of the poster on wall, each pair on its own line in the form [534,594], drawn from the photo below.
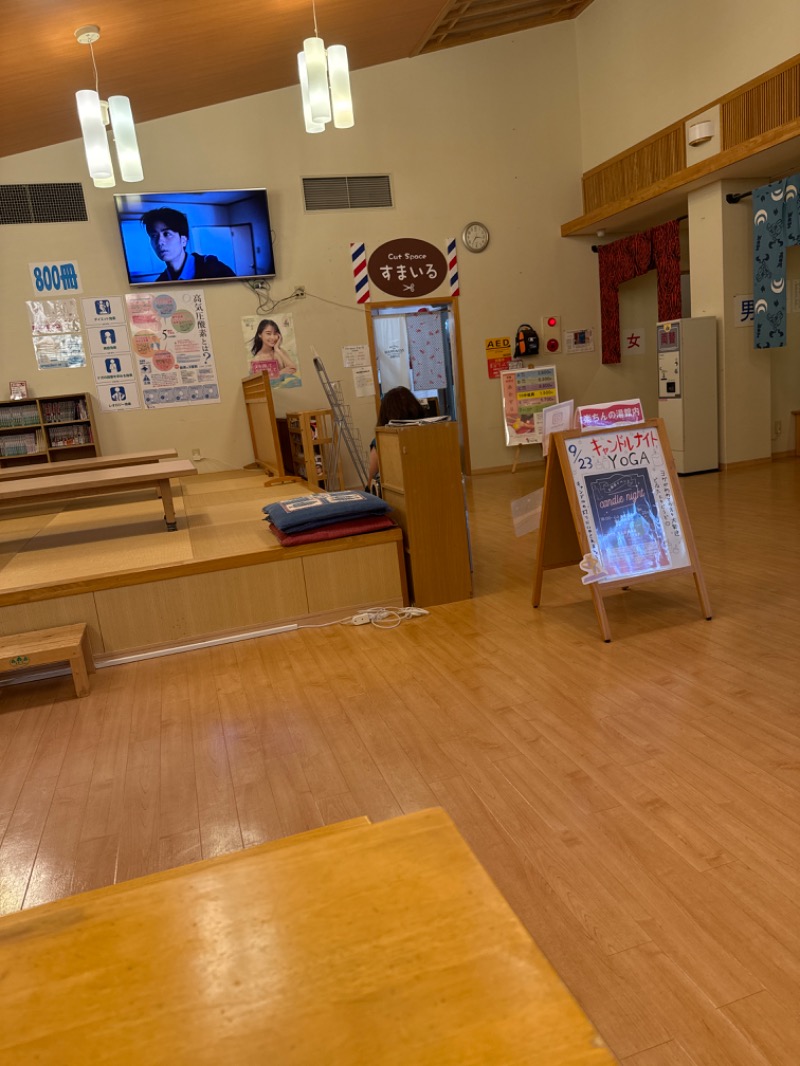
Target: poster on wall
[626,502]
[270,346]
[172,345]
[110,350]
[104,311]
[498,355]
[525,395]
[119,397]
[56,333]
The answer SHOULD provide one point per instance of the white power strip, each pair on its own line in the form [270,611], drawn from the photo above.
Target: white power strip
[394,615]
[380,617]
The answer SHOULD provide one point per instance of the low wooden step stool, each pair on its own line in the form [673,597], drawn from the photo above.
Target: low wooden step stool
[18,651]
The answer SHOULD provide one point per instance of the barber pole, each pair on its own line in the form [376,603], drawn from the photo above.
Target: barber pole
[452,266]
[358,253]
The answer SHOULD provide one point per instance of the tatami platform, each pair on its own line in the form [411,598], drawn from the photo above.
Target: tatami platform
[109,561]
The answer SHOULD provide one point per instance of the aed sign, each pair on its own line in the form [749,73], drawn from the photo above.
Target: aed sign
[498,355]
[54,278]
[407,267]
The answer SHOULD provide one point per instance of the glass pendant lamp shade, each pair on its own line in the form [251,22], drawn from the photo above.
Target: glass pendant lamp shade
[311,125]
[95,139]
[317,71]
[130,162]
[95,116]
[339,76]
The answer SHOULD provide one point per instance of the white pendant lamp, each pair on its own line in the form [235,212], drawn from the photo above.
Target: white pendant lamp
[94,115]
[324,83]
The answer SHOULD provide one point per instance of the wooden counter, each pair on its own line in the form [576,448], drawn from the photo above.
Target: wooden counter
[381,944]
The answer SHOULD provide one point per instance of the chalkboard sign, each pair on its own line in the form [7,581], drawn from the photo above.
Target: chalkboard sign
[628,518]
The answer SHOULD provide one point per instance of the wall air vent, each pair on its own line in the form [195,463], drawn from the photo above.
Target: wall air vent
[24,204]
[345,194]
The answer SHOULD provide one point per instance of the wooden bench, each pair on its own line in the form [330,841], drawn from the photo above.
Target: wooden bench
[45,646]
[99,482]
[96,462]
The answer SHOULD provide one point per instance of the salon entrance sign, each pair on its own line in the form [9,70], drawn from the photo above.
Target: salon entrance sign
[407,267]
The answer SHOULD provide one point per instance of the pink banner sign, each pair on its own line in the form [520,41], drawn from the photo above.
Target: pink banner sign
[609,415]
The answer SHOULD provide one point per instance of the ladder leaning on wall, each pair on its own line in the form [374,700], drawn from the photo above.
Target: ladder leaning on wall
[343,429]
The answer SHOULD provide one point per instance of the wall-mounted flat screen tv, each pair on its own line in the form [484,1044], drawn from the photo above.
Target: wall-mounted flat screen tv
[176,237]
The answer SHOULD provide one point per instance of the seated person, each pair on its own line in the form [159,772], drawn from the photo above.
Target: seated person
[399,404]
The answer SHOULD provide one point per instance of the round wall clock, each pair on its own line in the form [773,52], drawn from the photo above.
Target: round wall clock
[475,236]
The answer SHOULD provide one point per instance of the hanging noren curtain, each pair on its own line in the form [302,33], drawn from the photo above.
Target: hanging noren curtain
[630,257]
[776,224]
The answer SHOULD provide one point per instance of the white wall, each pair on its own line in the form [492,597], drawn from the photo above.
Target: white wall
[473,132]
[488,131]
[644,64]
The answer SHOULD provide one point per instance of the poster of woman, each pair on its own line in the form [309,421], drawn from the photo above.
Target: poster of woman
[270,345]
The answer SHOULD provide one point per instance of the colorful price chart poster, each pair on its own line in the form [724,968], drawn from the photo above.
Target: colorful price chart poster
[626,502]
[172,345]
[525,395]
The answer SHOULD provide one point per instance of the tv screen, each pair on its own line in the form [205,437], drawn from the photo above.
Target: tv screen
[176,237]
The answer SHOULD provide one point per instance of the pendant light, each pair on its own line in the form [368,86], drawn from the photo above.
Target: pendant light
[95,116]
[324,83]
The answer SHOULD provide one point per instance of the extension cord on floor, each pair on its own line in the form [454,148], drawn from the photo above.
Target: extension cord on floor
[377,614]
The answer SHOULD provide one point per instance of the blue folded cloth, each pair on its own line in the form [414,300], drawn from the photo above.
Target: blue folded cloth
[323,508]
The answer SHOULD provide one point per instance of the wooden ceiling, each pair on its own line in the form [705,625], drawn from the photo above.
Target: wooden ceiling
[171,56]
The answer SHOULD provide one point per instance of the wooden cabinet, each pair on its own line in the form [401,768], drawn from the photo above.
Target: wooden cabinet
[46,429]
[421,480]
[311,439]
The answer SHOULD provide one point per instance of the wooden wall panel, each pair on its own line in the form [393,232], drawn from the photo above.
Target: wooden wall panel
[188,608]
[757,111]
[644,165]
[369,575]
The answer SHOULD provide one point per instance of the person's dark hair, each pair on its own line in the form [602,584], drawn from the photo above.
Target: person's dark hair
[398,404]
[175,220]
[258,344]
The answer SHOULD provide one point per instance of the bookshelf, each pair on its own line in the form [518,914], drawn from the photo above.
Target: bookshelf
[46,429]
[311,438]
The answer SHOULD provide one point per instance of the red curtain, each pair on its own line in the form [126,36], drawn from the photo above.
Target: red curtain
[658,248]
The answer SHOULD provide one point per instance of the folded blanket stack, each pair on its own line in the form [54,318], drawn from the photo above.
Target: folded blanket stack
[326,516]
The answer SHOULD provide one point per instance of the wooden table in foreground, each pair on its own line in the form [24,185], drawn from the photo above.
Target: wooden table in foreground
[100,482]
[360,944]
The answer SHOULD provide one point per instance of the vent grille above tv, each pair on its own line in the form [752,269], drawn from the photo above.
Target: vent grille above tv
[24,204]
[347,193]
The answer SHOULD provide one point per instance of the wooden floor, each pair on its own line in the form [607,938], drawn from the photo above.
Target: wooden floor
[637,802]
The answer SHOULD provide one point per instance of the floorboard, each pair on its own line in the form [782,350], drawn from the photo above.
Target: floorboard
[638,803]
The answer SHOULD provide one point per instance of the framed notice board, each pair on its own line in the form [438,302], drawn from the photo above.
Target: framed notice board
[613,505]
[526,393]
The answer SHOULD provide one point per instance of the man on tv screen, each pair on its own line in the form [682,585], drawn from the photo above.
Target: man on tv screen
[168,231]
